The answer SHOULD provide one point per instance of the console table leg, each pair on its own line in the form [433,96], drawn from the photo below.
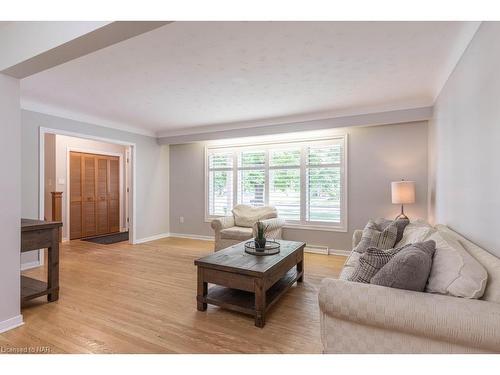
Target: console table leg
[202,291]
[260,304]
[53,267]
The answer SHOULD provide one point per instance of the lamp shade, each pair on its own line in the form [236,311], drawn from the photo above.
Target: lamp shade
[403,192]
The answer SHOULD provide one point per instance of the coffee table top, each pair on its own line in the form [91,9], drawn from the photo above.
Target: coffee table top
[235,259]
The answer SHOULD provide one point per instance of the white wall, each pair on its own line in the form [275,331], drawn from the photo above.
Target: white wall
[152,206]
[63,143]
[377,156]
[10,203]
[464,139]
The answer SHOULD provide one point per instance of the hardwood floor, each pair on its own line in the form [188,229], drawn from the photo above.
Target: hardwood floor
[141,299]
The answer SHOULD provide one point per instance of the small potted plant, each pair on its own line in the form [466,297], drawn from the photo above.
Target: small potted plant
[260,240]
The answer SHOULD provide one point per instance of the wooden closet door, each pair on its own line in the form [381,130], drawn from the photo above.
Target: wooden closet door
[75,195]
[89,195]
[114,194]
[102,192]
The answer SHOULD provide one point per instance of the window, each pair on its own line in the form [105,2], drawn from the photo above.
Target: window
[305,181]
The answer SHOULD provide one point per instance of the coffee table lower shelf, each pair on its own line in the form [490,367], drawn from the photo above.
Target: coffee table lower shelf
[244,302]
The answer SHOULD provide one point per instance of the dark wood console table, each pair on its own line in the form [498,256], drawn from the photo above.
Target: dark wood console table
[39,234]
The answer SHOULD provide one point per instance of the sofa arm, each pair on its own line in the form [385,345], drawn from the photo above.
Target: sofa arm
[356,237]
[274,227]
[222,223]
[466,322]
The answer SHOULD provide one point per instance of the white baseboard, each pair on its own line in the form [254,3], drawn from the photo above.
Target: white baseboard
[152,238]
[11,323]
[192,236]
[30,265]
[316,249]
[344,253]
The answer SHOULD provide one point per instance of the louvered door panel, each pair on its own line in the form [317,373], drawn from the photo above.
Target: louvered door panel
[89,195]
[75,195]
[114,194]
[102,201]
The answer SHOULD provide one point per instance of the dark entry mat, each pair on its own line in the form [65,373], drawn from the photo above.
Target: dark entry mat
[108,239]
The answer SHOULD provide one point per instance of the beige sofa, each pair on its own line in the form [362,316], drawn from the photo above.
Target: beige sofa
[365,318]
[241,225]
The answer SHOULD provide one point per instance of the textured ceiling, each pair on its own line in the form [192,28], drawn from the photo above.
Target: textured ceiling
[190,76]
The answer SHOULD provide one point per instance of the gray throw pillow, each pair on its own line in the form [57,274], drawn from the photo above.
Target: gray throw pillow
[380,233]
[408,269]
[370,262]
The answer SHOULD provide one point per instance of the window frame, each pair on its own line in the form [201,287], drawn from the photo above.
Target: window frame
[236,149]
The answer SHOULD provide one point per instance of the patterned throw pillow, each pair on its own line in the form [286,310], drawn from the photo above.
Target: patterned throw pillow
[382,234]
[370,262]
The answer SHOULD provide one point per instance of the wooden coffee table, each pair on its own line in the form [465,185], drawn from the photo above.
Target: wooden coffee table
[247,283]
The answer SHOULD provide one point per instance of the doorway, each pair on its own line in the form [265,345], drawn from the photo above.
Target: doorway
[101,157]
[94,194]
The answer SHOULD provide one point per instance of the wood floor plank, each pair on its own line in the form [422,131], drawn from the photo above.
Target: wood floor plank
[124,298]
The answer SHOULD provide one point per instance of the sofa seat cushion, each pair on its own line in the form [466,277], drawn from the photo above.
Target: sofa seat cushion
[246,216]
[236,233]
[454,271]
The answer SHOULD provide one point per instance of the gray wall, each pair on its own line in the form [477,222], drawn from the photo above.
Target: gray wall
[377,156]
[10,201]
[151,167]
[464,141]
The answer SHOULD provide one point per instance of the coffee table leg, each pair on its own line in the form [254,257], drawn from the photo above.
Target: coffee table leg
[300,268]
[260,304]
[202,291]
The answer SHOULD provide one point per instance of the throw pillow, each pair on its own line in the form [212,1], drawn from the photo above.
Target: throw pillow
[400,225]
[416,231]
[247,216]
[374,235]
[454,271]
[370,262]
[409,269]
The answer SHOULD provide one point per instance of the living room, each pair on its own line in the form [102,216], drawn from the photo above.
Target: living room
[250,186]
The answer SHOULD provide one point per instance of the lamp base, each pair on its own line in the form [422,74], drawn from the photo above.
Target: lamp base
[402,215]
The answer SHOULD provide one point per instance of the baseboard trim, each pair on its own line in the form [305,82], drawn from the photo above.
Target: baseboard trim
[314,249]
[30,265]
[344,253]
[151,238]
[192,236]
[11,323]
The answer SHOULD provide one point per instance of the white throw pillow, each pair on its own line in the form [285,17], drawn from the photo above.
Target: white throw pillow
[454,271]
[416,231]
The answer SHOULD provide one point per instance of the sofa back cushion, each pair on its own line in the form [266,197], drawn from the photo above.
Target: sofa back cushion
[454,271]
[246,216]
[415,232]
[490,262]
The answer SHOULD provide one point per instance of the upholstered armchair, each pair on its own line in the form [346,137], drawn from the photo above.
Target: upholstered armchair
[242,225]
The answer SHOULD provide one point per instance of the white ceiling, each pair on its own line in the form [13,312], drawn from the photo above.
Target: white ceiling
[189,77]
